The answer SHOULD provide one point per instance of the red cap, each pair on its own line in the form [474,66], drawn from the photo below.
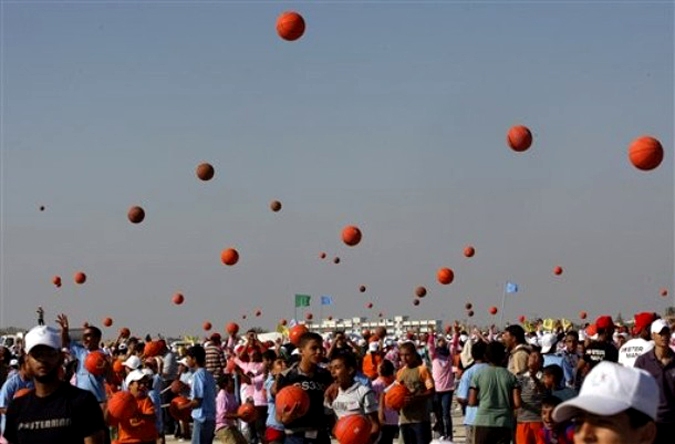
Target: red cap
[604,322]
[642,321]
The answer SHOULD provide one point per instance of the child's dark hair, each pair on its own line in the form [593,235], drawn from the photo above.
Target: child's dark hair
[537,350]
[637,419]
[410,348]
[478,351]
[556,372]
[495,353]
[309,336]
[197,352]
[348,359]
[224,379]
[387,368]
[269,355]
[550,401]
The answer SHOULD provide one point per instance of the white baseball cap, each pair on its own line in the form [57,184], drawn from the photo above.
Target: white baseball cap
[183,362]
[43,335]
[135,375]
[658,326]
[547,341]
[133,362]
[610,389]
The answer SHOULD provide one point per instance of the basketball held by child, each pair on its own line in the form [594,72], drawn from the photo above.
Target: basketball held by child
[247,412]
[291,395]
[122,406]
[95,363]
[394,397]
[352,429]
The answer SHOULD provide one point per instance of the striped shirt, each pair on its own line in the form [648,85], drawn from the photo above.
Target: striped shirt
[215,360]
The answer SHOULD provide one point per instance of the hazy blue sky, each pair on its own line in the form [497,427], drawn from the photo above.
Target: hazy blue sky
[390,116]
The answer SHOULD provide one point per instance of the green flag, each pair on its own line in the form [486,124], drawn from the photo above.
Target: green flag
[302,300]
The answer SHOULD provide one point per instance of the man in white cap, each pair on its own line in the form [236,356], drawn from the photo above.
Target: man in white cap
[616,405]
[56,411]
[660,363]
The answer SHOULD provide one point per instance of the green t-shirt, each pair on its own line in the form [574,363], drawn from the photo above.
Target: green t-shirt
[495,387]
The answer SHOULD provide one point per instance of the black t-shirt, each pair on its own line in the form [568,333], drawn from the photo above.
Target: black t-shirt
[601,351]
[67,416]
[315,386]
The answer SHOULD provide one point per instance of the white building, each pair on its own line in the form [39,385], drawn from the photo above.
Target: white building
[398,325]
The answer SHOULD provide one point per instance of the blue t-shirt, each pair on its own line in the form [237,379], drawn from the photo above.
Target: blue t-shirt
[271,406]
[12,385]
[463,391]
[84,379]
[154,397]
[204,388]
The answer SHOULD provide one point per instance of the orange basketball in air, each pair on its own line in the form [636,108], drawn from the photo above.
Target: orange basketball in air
[205,171]
[247,412]
[445,276]
[645,153]
[519,138]
[351,235]
[56,280]
[558,270]
[416,302]
[470,313]
[180,415]
[493,311]
[232,328]
[362,288]
[521,319]
[178,298]
[80,277]
[369,305]
[288,396]
[136,215]
[275,206]
[309,316]
[469,251]
[290,26]
[283,322]
[664,292]
[207,326]
[583,315]
[107,322]
[394,398]
[322,255]
[229,256]
[468,305]
[122,406]
[352,429]
[420,292]
[125,332]
[296,332]
[330,318]
[95,363]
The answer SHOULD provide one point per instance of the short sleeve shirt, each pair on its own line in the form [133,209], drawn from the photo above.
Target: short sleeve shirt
[417,380]
[356,400]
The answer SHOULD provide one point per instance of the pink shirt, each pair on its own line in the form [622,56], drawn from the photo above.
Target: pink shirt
[441,366]
[255,390]
[225,403]
[390,416]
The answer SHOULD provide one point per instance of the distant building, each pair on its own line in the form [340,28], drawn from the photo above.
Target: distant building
[397,326]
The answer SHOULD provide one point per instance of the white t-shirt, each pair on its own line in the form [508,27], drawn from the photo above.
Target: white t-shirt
[630,351]
[357,399]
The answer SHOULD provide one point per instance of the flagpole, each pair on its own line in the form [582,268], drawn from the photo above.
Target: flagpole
[501,312]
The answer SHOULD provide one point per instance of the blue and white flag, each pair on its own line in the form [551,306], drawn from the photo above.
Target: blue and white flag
[511,287]
[326,300]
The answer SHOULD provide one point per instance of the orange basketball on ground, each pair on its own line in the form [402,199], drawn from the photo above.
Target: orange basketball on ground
[445,276]
[107,322]
[470,313]
[416,302]
[645,153]
[583,315]
[232,328]
[22,392]
[352,429]
[362,288]
[351,235]
[296,332]
[288,396]
[309,316]
[493,311]
[178,298]
[205,171]
[519,138]
[469,251]
[207,326]
[420,292]
[180,415]
[122,406]
[394,398]
[80,277]
[136,215]
[95,363]
[290,26]
[56,280]
[557,270]
[229,256]
[247,412]
[275,205]
[125,332]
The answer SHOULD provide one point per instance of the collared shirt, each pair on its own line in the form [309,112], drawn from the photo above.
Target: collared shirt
[204,388]
[518,359]
[84,379]
[665,378]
